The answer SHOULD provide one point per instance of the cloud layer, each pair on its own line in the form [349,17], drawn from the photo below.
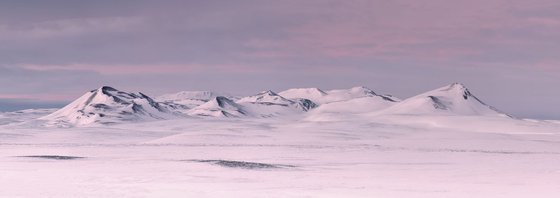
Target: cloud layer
[505,50]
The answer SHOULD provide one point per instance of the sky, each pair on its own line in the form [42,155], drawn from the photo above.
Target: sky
[505,51]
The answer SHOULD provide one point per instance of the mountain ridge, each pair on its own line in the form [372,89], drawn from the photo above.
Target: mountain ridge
[107,105]
[455,98]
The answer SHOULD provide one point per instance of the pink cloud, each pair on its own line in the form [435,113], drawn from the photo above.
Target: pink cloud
[113,68]
[547,65]
[42,96]
[69,27]
[396,30]
[117,69]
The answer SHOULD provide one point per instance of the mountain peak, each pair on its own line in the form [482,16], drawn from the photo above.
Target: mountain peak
[459,89]
[268,92]
[314,94]
[359,87]
[308,91]
[452,99]
[362,89]
[104,89]
[108,88]
[219,107]
[191,99]
[456,85]
[266,97]
[223,101]
[109,105]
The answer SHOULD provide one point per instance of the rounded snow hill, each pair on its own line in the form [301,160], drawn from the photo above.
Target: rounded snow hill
[191,98]
[270,104]
[219,107]
[356,105]
[266,97]
[322,97]
[454,99]
[314,94]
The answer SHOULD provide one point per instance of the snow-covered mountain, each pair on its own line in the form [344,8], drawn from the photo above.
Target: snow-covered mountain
[454,99]
[319,96]
[108,105]
[356,105]
[313,94]
[346,103]
[191,99]
[219,107]
[270,104]
[266,97]
[264,104]
[341,101]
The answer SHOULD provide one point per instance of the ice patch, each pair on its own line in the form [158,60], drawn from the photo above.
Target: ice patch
[53,157]
[243,164]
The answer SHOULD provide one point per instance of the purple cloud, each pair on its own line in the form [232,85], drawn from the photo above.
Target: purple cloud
[401,47]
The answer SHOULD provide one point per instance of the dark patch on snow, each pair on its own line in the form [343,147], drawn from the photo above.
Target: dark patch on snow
[136,108]
[269,92]
[438,104]
[270,104]
[366,91]
[152,102]
[466,94]
[387,98]
[243,164]
[223,102]
[226,114]
[172,105]
[125,113]
[101,106]
[307,104]
[53,157]
[107,88]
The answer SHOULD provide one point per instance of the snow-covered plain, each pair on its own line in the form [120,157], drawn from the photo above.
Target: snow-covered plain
[347,146]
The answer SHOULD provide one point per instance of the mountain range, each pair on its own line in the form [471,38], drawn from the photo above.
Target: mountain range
[107,105]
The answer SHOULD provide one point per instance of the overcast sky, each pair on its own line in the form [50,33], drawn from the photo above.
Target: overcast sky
[506,51]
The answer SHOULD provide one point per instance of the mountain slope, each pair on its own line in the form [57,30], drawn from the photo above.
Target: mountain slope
[219,107]
[347,103]
[454,99]
[266,97]
[108,105]
[270,104]
[356,105]
[319,96]
[190,99]
[314,94]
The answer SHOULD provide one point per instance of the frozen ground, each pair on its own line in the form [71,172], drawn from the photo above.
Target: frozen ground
[327,155]
[310,143]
